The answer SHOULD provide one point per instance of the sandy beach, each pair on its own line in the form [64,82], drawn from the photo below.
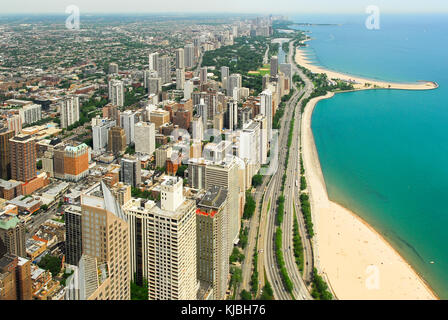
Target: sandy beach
[357,261]
[358,82]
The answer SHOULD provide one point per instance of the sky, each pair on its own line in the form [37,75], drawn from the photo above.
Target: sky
[288,7]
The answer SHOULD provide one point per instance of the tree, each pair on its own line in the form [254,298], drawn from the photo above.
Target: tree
[51,263]
[257,180]
[139,292]
[245,295]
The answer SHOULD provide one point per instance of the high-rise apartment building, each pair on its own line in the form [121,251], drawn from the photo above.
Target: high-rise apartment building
[233,81]
[203,75]
[286,69]
[12,234]
[22,153]
[113,68]
[111,112]
[225,73]
[180,58]
[212,241]
[100,134]
[128,119]
[69,111]
[15,278]
[31,113]
[105,238]
[145,137]
[266,110]
[117,140]
[130,171]
[153,61]
[171,243]
[180,79]
[73,235]
[76,162]
[15,123]
[197,128]
[116,92]
[164,69]
[189,55]
[274,66]
[5,161]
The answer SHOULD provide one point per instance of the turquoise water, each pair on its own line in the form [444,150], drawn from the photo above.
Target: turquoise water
[384,153]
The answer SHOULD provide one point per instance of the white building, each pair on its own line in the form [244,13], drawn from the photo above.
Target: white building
[100,133]
[180,58]
[31,113]
[188,89]
[145,137]
[266,110]
[128,119]
[180,79]
[197,128]
[116,92]
[69,111]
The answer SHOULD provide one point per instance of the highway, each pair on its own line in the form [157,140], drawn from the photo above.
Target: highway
[291,193]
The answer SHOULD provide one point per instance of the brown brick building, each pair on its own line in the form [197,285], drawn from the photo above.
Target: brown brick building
[5,162]
[22,150]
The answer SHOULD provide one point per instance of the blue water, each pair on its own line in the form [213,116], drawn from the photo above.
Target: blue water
[384,153]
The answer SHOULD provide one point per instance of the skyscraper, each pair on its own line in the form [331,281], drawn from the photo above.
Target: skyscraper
[128,119]
[266,110]
[171,243]
[212,240]
[145,137]
[155,86]
[202,111]
[31,113]
[180,58]
[12,234]
[189,55]
[117,140]
[203,75]
[100,134]
[5,161]
[22,153]
[105,238]
[234,81]
[198,128]
[113,68]
[153,61]
[76,162]
[274,66]
[224,74]
[180,79]
[116,92]
[286,69]
[69,111]
[164,69]
[130,171]
[73,235]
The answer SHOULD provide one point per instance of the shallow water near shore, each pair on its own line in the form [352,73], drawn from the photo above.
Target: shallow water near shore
[384,153]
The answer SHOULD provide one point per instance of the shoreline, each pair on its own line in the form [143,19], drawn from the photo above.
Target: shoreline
[346,246]
[360,83]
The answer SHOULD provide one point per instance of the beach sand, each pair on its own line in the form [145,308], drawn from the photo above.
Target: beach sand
[356,261]
[358,82]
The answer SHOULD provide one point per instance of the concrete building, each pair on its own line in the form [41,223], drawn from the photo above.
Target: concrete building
[164,69]
[116,92]
[5,161]
[105,238]
[188,89]
[180,58]
[197,128]
[100,134]
[22,152]
[130,171]
[159,117]
[155,86]
[189,55]
[128,119]
[180,79]
[117,140]
[203,75]
[234,81]
[145,137]
[69,111]
[113,68]
[171,241]
[14,123]
[76,162]
[266,109]
[163,153]
[73,235]
[274,66]
[31,113]
[12,235]
[212,241]
[286,69]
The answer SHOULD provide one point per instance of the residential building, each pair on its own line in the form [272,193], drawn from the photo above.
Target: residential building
[145,137]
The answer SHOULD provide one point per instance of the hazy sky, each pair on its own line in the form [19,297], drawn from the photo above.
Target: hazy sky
[288,7]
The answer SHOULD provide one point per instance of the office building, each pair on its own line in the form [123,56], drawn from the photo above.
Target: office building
[105,238]
[171,243]
[203,76]
[266,110]
[163,153]
[5,161]
[100,134]
[159,117]
[130,171]
[274,66]
[76,162]
[180,79]
[116,93]
[164,69]
[30,113]
[73,235]
[189,55]
[128,119]
[180,58]
[12,234]
[69,111]
[117,140]
[22,153]
[286,69]
[212,241]
[145,137]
